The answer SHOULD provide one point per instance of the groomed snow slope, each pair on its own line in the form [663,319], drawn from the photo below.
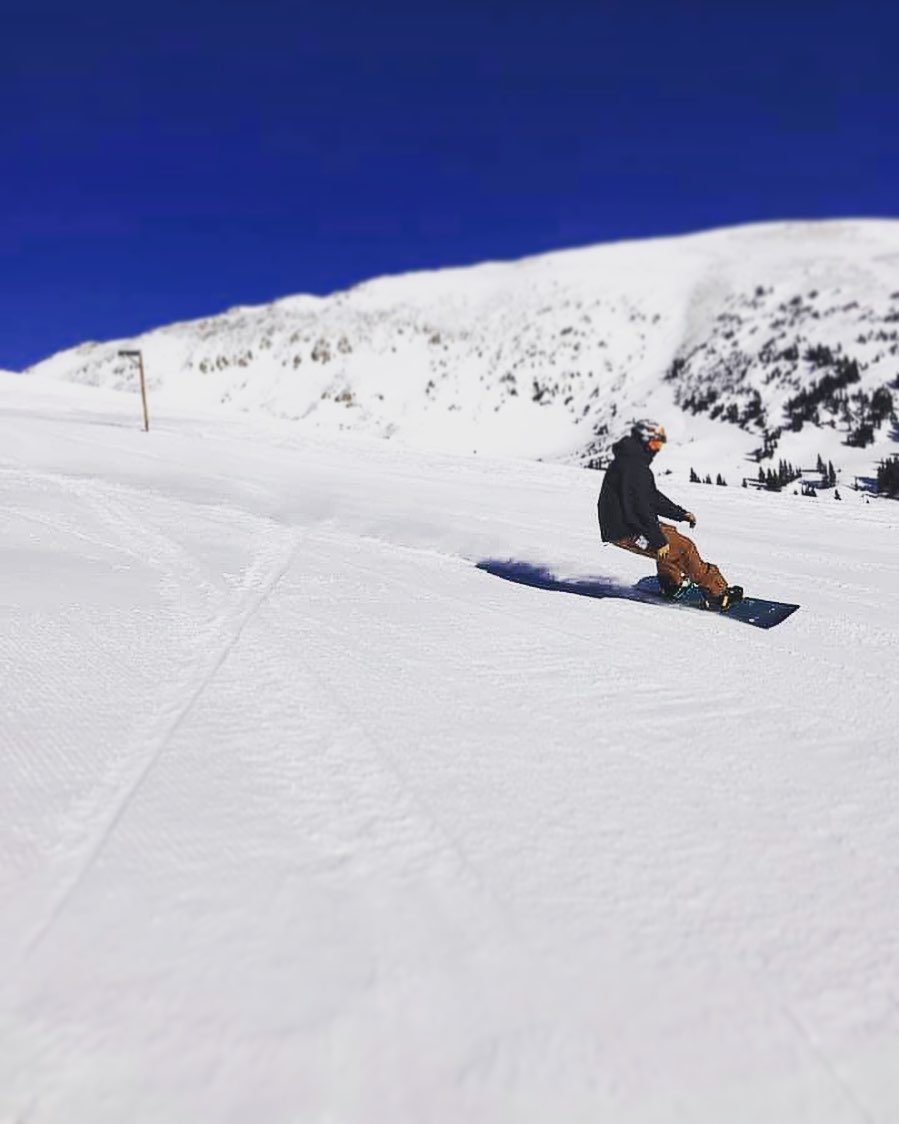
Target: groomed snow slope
[304,816]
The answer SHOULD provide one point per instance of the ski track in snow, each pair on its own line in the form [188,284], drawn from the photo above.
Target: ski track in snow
[83,841]
[305,816]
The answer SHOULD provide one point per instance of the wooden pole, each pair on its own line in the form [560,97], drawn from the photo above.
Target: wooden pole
[143,392]
[139,356]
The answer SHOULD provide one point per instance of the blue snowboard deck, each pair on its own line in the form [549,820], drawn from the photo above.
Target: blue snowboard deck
[751,610]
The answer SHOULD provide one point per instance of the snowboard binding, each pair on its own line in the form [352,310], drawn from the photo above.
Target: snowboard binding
[730,597]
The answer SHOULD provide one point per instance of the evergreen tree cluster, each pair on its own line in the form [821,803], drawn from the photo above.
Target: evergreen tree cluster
[804,406]
[773,481]
[868,412]
[888,477]
[828,473]
[695,478]
[770,437]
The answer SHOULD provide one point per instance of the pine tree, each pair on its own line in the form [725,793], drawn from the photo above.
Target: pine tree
[881,405]
[721,481]
[888,477]
[694,477]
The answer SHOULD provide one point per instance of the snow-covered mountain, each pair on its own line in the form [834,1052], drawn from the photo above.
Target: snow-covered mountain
[781,339]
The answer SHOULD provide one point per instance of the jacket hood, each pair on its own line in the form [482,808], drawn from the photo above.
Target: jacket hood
[629,446]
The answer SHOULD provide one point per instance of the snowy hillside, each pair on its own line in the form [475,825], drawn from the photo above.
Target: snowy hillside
[308,812]
[781,339]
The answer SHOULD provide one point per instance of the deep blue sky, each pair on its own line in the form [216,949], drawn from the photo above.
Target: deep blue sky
[166,160]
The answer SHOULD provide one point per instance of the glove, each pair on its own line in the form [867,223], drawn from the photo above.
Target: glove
[662,552]
[690,518]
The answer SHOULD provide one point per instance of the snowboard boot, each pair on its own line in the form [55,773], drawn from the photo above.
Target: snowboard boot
[674,592]
[728,598]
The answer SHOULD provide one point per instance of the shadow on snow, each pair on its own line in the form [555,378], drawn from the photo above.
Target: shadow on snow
[541,577]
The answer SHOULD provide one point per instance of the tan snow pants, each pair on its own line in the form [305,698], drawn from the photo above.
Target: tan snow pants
[682,559]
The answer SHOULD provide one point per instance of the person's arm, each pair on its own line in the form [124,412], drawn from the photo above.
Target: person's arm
[668,509]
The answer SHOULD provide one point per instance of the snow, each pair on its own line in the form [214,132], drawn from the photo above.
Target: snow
[304,816]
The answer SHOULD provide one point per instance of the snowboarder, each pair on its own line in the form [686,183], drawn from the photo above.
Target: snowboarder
[629,508]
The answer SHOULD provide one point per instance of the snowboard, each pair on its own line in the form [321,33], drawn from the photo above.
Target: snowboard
[751,610]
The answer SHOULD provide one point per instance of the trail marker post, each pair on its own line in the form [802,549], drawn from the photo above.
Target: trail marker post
[139,356]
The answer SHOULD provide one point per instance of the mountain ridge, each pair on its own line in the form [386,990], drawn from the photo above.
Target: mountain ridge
[753,343]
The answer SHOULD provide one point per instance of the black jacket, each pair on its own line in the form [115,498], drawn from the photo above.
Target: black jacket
[629,501]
